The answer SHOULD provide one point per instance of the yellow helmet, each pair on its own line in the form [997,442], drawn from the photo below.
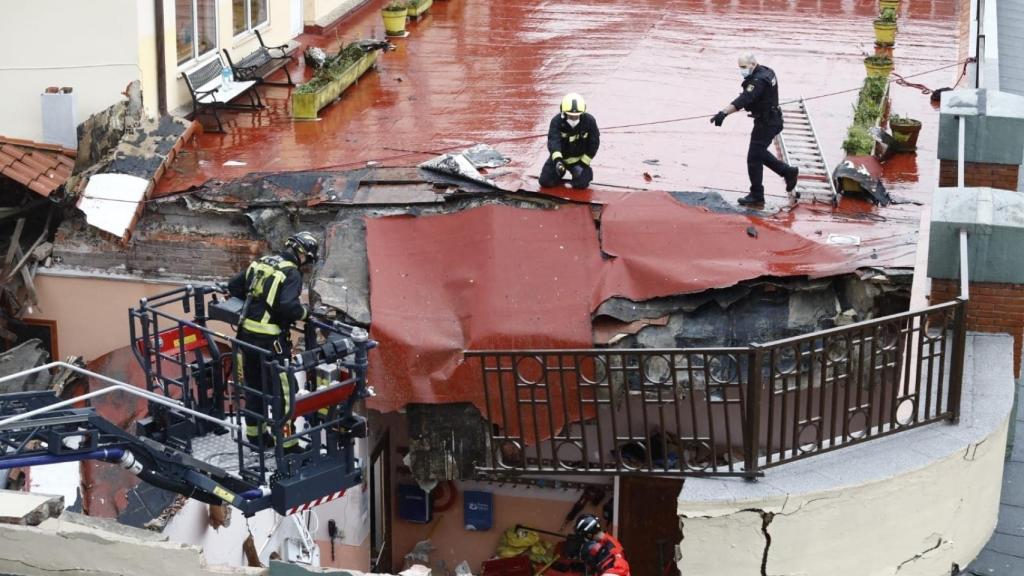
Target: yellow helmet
[573,103]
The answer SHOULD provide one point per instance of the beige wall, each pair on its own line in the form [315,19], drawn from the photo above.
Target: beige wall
[325,12]
[917,524]
[91,46]
[91,314]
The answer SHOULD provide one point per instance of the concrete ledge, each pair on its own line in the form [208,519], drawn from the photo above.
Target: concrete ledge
[326,21]
[913,503]
[27,509]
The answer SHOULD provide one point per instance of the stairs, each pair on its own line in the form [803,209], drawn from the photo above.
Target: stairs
[799,145]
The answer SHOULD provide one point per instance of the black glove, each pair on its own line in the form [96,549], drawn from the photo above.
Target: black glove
[560,167]
[719,118]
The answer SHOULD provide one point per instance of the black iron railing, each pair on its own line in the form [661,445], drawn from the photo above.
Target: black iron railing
[720,411]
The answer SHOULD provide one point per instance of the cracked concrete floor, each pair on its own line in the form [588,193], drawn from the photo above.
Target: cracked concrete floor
[1004,553]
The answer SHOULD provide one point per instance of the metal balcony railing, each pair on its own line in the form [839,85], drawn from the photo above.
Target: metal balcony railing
[720,411]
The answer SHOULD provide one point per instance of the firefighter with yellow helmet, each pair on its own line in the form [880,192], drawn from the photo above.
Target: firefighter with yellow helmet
[271,287]
[573,139]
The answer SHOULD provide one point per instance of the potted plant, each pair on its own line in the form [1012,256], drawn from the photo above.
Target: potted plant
[394,18]
[885,27]
[883,50]
[893,4]
[418,7]
[905,131]
[878,66]
[338,73]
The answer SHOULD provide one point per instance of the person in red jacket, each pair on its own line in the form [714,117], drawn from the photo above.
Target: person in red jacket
[602,553]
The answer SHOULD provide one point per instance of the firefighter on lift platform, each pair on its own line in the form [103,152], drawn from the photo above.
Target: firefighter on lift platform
[573,140]
[760,97]
[271,287]
[602,554]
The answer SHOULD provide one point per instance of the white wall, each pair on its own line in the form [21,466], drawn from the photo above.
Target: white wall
[91,46]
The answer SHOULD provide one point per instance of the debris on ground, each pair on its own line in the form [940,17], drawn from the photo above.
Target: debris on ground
[751,231]
[861,175]
[484,156]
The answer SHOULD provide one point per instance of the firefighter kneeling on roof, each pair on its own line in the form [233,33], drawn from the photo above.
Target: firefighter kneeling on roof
[271,288]
[573,140]
[602,554]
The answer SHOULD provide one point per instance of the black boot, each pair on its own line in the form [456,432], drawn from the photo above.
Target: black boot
[791,178]
[751,199]
[268,441]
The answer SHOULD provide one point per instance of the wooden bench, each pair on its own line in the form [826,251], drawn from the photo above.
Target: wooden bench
[209,95]
[261,63]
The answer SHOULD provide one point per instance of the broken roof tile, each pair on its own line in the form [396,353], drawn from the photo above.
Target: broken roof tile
[40,167]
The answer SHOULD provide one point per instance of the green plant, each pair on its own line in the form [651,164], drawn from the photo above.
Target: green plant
[878,60]
[396,6]
[887,15]
[898,120]
[858,141]
[333,68]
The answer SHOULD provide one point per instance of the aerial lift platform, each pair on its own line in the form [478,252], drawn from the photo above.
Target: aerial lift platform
[192,442]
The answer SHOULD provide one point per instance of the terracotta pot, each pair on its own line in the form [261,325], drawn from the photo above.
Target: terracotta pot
[905,134]
[882,50]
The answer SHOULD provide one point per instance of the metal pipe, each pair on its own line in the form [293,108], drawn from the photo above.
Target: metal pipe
[161,64]
[44,459]
[114,386]
[964,289]
[960,155]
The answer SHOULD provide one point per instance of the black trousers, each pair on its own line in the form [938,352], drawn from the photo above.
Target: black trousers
[549,175]
[758,156]
[251,373]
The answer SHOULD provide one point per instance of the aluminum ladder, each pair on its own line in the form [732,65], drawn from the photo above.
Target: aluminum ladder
[799,145]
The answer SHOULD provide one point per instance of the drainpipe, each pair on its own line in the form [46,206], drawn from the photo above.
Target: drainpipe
[960,154]
[161,69]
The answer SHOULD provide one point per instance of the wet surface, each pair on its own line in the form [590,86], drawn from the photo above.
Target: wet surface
[479,71]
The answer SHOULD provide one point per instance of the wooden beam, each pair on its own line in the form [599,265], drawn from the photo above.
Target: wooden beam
[15,239]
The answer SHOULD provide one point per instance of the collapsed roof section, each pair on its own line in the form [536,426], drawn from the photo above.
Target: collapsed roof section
[456,264]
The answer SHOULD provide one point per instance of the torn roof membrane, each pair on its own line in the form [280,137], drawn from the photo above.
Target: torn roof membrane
[499,277]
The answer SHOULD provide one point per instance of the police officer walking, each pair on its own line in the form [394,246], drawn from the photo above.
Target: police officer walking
[573,140]
[760,97]
[271,288]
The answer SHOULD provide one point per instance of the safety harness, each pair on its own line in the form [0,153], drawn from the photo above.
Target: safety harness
[264,277]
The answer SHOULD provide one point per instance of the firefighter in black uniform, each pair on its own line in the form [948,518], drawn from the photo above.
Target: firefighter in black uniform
[271,287]
[573,140]
[760,97]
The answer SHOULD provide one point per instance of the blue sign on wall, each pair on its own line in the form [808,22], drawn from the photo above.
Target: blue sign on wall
[413,504]
[478,510]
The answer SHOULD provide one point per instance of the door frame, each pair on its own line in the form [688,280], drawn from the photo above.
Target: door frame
[380,552]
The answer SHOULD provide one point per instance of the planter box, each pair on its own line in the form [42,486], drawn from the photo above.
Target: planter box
[306,106]
[418,7]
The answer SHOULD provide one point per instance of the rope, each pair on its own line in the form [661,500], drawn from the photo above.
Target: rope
[413,153]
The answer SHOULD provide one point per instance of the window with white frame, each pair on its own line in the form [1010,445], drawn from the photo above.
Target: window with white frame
[248,14]
[195,28]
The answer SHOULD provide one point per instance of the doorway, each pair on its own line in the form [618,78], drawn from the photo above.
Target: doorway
[380,505]
[649,525]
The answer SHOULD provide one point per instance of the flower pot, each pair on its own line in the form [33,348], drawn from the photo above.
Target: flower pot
[885,32]
[894,4]
[883,50]
[394,22]
[879,67]
[905,132]
[418,7]
[306,105]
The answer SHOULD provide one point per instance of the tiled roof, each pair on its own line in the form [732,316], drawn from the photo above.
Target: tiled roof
[40,167]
